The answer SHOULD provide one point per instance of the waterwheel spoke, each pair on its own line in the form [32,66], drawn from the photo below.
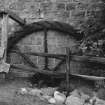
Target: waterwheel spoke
[26,59]
[68,59]
[46,49]
[58,65]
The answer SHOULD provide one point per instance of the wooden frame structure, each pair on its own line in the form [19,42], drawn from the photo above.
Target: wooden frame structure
[63,57]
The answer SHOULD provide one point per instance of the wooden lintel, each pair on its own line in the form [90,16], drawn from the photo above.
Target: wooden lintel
[14,16]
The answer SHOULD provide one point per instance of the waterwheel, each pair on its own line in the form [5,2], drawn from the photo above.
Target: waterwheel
[41,26]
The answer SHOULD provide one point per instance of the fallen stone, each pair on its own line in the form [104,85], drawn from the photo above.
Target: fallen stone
[59,97]
[46,97]
[22,91]
[4,67]
[48,91]
[52,100]
[73,100]
[75,93]
[101,93]
[85,98]
[81,95]
[35,92]
[99,101]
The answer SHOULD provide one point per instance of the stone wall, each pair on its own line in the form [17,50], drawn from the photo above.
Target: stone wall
[73,12]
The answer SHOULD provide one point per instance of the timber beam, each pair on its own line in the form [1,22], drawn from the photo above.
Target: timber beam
[13,16]
[62,56]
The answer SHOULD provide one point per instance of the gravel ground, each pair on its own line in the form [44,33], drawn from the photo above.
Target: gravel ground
[8,94]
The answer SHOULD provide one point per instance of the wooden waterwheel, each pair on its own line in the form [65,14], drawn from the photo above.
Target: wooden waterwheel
[44,26]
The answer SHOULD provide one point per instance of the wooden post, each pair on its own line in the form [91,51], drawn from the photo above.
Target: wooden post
[68,69]
[4,67]
[4,36]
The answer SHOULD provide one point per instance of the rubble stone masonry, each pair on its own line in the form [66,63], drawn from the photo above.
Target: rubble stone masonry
[73,12]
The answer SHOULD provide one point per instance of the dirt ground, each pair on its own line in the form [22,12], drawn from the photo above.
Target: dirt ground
[10,87]
[8,94]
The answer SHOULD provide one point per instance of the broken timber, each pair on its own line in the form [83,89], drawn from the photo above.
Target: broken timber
[13,16]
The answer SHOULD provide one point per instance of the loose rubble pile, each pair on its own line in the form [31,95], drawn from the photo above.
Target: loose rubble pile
[54,97]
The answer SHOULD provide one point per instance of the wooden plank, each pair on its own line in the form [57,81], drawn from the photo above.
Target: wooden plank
[88,59]
[57,56]
[73,57]
[93,78]
[56,74]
